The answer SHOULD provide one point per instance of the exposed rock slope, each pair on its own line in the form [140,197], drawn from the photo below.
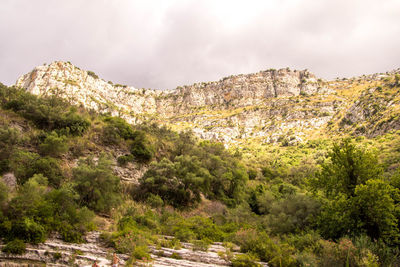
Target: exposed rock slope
[266,106]
[55,252]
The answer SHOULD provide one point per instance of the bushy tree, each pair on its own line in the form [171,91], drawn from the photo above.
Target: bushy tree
[178,183]
[25,164]
[357,200]
[22,163]
[53,145]
[377,207]
[293,214]
[115,130]
[9,138]
[28,209]
[141,147]
[347,166]
[98,187]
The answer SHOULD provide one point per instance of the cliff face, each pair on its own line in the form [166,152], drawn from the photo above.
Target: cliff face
[267,106]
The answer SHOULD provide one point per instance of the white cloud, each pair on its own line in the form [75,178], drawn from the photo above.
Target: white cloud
[163,44]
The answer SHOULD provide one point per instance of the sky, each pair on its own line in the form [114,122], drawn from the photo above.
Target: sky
[162,44]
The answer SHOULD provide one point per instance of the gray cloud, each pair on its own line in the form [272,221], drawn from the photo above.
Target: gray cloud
[163,44]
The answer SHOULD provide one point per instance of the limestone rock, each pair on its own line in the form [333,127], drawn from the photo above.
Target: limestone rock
[55,252]
[10,180]
[235,107]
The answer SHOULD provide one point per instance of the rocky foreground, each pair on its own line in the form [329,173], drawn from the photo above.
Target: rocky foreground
[55,252]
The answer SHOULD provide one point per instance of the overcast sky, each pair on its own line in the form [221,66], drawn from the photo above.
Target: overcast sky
[163,44]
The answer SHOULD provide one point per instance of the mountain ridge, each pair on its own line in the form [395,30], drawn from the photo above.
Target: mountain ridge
[262,106]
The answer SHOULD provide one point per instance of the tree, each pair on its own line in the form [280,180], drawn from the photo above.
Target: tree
[54,145]
[96,184]
[347,166]
[115,129]
[358,201]
[375,202]
[25,164]
[178,183]
[141,147]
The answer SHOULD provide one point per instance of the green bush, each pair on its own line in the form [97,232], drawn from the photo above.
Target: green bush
[296,213]
[70,234]
[15,246]
[25,164]
[123,160]
[141,253]
[176,256]
[9,138]
[259,243]
[53,145]
[178,183]
[3,195]
[155,201]
[201,245]
[98,187]
[29,231]
[252,174]
[118,128]
[244,260]
[49,113]
[141,147]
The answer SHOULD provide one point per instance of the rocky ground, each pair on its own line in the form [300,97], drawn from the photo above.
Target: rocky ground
[55,252]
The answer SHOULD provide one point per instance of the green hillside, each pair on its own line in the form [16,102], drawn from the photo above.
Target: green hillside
[330,200]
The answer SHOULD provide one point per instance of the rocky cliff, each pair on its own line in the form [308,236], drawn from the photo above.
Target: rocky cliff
[265,106]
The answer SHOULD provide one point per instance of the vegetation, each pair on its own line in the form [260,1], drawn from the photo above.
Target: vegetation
[317,203]
[96,185]
[15,247]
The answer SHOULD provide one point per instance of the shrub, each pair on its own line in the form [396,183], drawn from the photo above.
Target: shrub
[178,183]
[201,245]
[266,249]
[53,145]
[15,246]
[293,214]
[338,254]
[98,187]
[57,256]
[29,231]
[176,256]
[141,253]
[49,113]
[25,164]
[70,234]
[123,160]
[22,163]
[252,174]
[244,260]
[141,148]
[155,201]
[92,74]
[119,127]
[3,195]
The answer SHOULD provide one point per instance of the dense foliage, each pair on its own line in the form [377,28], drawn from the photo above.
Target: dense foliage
[320,203]
[96,185]
[49,113]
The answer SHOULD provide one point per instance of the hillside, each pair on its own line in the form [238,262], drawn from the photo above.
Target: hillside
[307,173]
[261,107]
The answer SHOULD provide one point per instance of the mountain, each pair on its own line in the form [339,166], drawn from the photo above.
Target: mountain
[308,174]
[263,106]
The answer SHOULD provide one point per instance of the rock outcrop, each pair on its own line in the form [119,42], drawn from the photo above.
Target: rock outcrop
[268,106]
[236,107]
[55,252]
